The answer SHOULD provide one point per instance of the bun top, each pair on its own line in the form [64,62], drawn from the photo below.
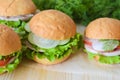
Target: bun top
[16,7]
[103,28]
[9,41]
[53,24]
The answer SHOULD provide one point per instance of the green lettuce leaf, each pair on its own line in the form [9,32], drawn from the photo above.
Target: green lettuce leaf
[18,27]
[109,45]
[104,59]
[57,52]
[11,66]
[2,57]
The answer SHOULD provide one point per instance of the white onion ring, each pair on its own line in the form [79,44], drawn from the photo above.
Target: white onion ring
[113,53]
[20,17]
[16,18]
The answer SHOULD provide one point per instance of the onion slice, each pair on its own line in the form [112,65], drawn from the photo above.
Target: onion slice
[41,42]
[62,42]
[11,60]
[113,53]
[27,27]
[16,18]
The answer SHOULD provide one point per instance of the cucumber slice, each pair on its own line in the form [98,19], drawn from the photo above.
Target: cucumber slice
[45,43]
[27,28]
[62,42]
[41,42]
[31,38]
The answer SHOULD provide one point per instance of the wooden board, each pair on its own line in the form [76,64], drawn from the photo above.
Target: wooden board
[75,68]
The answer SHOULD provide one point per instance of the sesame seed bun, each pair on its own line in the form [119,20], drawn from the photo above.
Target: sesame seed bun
[103,28]
[9,41]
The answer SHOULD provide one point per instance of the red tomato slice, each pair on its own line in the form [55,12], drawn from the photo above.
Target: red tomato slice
[4,62]
[118,47]
[88,42]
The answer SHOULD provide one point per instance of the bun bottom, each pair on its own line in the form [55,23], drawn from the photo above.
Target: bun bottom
[45,61]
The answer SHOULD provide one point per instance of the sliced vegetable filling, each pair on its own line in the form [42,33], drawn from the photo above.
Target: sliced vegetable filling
[102,46]
[56,52]
[104,59]
[45,43]
[107,51]
[10,62]
[17,26]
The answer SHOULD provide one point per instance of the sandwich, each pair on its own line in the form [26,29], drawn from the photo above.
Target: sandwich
[102,40]
[10,49]
[16,13]
[52,37]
